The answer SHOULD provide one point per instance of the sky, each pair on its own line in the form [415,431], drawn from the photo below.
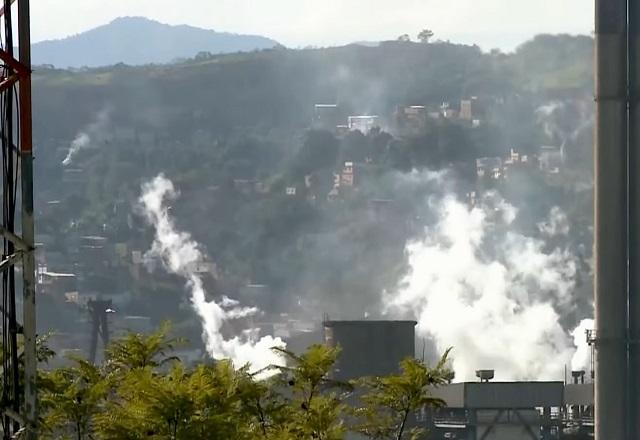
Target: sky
[298,23]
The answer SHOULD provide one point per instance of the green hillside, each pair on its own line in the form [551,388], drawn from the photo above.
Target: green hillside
[215,124]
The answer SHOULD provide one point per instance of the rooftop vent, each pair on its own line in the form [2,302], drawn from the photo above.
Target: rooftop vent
[485,375]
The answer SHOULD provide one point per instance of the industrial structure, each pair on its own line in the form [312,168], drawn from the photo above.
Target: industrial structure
[369,348]
[617,220]
[488,410]
[482,410]
[99,311]
[19,362]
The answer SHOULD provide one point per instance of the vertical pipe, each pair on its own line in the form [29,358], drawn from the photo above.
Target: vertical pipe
[28,261]
[634,219]
[610,248]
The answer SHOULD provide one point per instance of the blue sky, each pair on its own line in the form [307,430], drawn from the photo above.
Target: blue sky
[298,23]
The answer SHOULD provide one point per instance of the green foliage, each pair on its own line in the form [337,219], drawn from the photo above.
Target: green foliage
[146,400]
[315,405]
[137,350]
[72,398]
[389,401]
[555,62]
[211,122]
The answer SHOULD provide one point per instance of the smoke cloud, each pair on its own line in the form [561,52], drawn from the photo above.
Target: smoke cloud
[564,121]
[557,224]
[89,135]
[179,253]
[494,295]
[582,356]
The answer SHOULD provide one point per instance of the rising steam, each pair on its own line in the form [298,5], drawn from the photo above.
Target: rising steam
[89,135]
[582,356]
[179,253]
[490,293]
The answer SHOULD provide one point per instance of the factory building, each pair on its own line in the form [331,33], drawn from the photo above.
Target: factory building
[513,410]
[481,410]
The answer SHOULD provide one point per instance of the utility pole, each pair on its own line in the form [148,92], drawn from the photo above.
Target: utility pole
[611,220]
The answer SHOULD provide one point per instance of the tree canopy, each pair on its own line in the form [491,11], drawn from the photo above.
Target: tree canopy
[141,393]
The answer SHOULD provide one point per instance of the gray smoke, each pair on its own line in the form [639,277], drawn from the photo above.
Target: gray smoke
[89,135]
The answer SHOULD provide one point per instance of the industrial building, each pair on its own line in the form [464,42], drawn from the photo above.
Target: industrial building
[513,410]
[482,410]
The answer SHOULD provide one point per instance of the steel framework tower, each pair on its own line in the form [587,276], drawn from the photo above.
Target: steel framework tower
[19,358]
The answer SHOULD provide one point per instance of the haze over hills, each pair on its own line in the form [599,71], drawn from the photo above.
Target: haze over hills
[155,42]
[255,162]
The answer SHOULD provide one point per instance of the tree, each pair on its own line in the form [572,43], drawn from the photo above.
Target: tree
[319,151]
[425,35]
[405,38]
[144,398]
[136,350]
[316,404]
[71,398]
[151,405]
[390,400]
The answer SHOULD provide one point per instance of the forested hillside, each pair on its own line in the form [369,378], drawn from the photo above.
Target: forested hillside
[235,133]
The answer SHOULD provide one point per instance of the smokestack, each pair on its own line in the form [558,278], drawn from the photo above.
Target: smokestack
[610,248]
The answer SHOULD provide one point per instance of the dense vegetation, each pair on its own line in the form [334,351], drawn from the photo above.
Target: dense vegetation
[142,392]
[214,123]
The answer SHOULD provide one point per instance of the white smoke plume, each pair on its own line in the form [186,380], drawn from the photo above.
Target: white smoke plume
[556,224]
[179,252]
[563,121]
[544,114]
[582,357]
[491,294]
[89,135]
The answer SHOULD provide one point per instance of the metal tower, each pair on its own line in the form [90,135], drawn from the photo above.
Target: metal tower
[99,311]
[19,361]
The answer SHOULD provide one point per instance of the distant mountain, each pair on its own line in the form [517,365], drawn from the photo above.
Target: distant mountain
[138,40]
